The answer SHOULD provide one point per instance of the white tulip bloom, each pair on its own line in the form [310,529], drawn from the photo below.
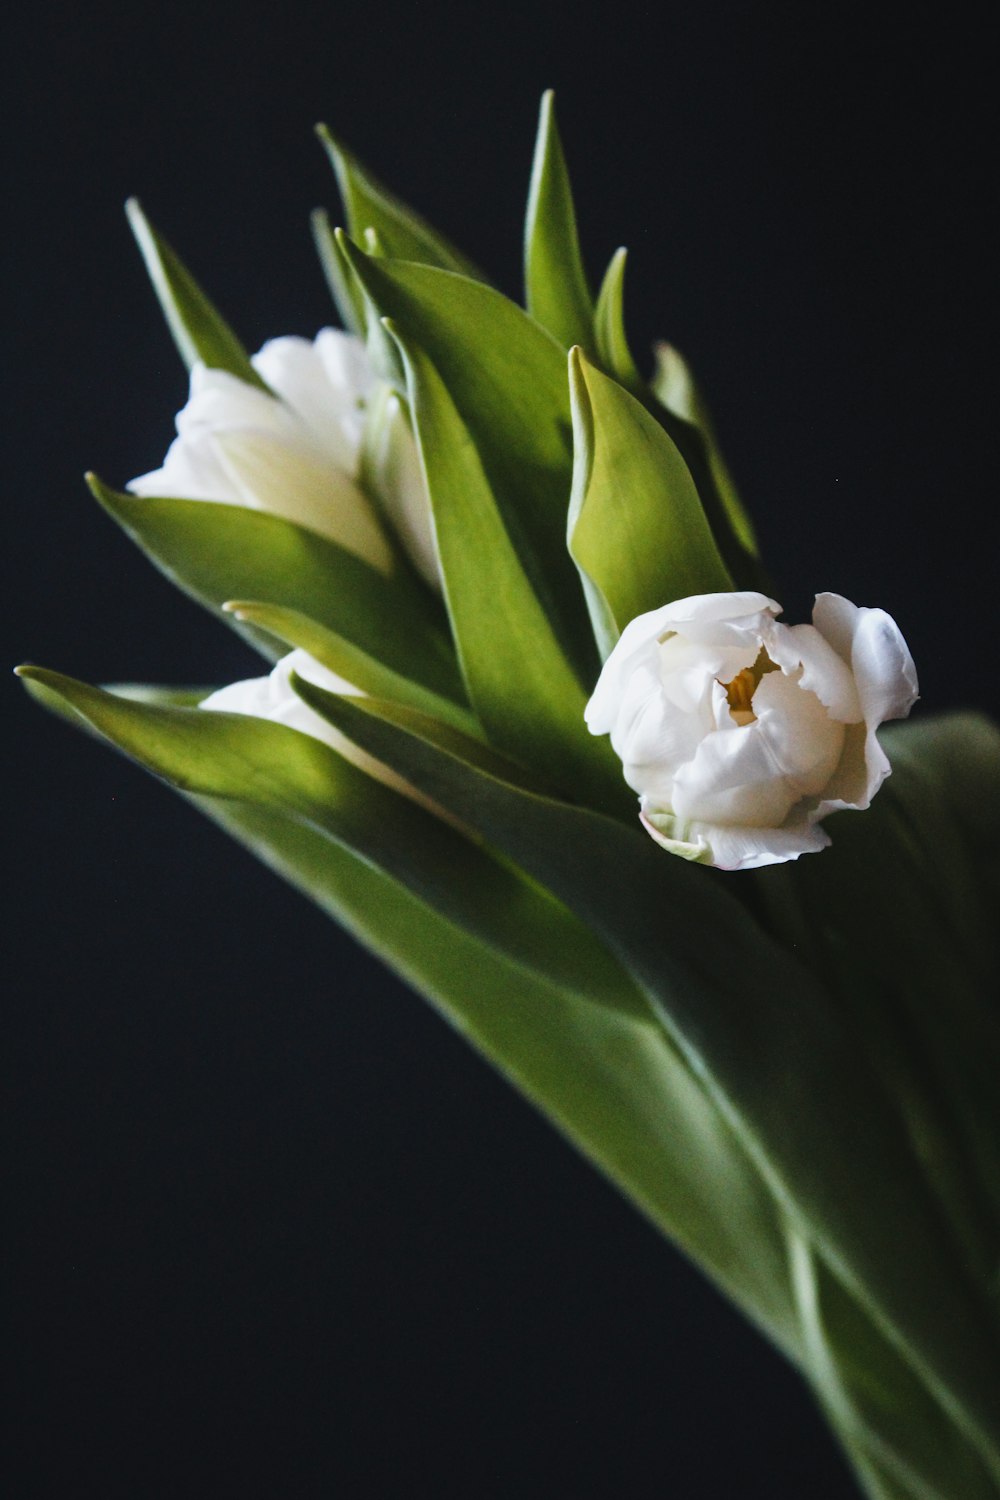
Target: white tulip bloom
[296,453]
[739,733]
[274,698]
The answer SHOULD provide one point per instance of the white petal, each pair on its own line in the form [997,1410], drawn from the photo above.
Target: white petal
[293,481]
[752,848]
[883,668]
[322,391]
[804,742]
[871,641]
[732,779]
[823,671]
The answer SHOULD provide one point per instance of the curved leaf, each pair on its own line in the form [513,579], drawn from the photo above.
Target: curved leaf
[216,552]
[501,632]
[507,379]
[771,1050]
[637,530]
[609,329]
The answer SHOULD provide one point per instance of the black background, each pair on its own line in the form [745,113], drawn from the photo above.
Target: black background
[272,1229]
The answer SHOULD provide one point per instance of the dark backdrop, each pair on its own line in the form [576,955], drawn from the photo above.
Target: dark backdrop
[273,1229]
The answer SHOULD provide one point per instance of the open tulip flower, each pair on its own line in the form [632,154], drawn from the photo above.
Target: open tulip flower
[503,583]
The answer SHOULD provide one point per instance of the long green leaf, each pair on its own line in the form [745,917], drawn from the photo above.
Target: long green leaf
[507,379]
[403,234]
[218,552]
[500,629]
[772,1049]
[873,1399]
[520,976]
[556,290]
[256,760]
[200,332]
[637,530]
[613,1084]
[347,660]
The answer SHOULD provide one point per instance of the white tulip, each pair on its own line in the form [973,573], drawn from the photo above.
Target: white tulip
[739,733]
[274,698]
[296,453]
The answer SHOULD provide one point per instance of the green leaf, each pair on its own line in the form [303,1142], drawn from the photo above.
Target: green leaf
[637,530]
[347,296]
[873,1398]
[613,351]
[403,234]
[520,977]
[675,388]
[556,290]
[199,331]
[611,1082]
[522,687]
[772,1047]
[347,660]
[218,552]
[507,379]
[904,925]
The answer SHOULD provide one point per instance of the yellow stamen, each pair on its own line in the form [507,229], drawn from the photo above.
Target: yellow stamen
[740,690]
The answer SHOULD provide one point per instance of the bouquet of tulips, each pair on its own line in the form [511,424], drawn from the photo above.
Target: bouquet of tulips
[534,731]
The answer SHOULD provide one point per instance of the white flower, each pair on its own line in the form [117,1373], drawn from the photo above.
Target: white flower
[739,733]
[297,453]
[275,698]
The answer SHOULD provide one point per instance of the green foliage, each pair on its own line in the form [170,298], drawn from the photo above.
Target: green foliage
[793,1074]
[219,552]
[403,234]
[507,379]
[772,1048]
[199,331]
[501,632]
[613,352]
[556,290]
[637,530]
[675,388]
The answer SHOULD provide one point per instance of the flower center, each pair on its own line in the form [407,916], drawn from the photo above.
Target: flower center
[740,690]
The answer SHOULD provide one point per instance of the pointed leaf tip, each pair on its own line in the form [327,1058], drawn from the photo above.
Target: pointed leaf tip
[556,291]
[199,330]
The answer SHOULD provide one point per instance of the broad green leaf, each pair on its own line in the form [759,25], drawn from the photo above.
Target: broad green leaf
[507,379]
[904,924]
[347,660]
[199,331]
[613,351]
[403,234]
[637,530]
[611,1083]
[218,552]
[675,388]
[523,689]
[519,976]
[277,768]
[556,290]
[771,1046]
[873,1399]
